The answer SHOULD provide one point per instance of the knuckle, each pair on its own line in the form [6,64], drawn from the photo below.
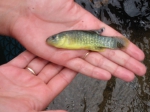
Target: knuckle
[101,61]
[115,71]
[111,54]
[64,76]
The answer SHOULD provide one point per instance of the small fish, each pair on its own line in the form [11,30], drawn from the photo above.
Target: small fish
[87,40]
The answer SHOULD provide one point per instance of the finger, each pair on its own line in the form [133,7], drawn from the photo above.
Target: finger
[102,62]
[37,64]
[125,60]
[61,80]
[86,68]
[49,71]
[22,59]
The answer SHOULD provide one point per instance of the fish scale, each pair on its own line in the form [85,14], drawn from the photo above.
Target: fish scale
[88,40]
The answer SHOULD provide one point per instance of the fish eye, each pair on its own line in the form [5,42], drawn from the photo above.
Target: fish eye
[53,37]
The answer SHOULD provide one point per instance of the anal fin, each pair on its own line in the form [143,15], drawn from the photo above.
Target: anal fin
[98,49]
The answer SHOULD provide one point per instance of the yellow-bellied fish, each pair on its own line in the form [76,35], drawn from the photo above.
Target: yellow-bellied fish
[88,40]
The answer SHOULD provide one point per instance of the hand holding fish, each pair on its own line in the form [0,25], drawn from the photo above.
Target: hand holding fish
[34,21]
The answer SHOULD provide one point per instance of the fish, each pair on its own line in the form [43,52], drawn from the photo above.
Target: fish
[86,40]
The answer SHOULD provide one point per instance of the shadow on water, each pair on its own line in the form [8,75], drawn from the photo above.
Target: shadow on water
[84,94]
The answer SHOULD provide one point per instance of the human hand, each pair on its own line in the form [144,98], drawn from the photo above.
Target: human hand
[21,91]
[37,20]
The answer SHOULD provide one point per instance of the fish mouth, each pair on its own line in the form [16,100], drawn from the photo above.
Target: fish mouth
[51,39]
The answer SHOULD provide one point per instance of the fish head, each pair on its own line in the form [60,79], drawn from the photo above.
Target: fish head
[56,40]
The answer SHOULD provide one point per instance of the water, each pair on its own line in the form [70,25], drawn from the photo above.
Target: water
[84,94]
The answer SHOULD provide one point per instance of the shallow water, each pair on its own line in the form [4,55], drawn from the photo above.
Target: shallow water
[84,94]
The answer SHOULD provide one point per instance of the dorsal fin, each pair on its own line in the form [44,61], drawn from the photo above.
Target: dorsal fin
[99,31]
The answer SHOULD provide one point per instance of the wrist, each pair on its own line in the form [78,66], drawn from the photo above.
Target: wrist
[9,12]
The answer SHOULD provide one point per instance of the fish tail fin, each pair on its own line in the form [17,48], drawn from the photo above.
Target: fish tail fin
[126,42]
[122,42]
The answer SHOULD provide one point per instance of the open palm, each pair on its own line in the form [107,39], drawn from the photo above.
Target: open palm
[36,20]
[21,91]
